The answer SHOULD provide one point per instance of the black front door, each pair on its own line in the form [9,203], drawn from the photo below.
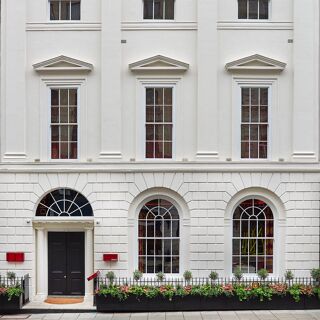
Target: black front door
[66,263]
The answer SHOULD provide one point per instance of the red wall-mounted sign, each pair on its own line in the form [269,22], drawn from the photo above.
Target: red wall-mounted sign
[110,257]
[15,256]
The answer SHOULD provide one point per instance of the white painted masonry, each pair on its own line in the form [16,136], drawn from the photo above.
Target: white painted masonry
[206,178]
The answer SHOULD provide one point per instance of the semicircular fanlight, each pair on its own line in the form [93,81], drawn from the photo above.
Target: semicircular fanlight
[64,203]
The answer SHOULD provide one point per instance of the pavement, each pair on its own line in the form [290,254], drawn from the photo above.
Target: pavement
[224,315]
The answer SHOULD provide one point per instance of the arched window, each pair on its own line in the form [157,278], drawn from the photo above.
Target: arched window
[64,203]
[253,236]
[159,237]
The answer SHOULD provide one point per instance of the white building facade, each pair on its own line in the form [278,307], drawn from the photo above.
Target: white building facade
[176,134]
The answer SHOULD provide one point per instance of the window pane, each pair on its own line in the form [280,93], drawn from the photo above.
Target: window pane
[55,133]
[167,264]
[73,151]
[150,150]
[149,114]
[64,115]
[63,97]
[254,114]
[73,115]
[254,130]
[245,132]
[253,9]
[168,96]
[159,114]
[269,264]
[75,10]
[263,9]
[158,149]
[142,264]
[261,247]
[73,133]
[175,247]
[150,265]
[245,114]
[254,150]
[242,9]
[64,133]
[252,265]
[264,96]
[55,115]
[65,10]
[73,97]
[244,246]
[167,247]
[54,97]
[167,150]
[235,263]
[54,10]
[167,114]
[236,247]
[142,228]
[158,132]
[175,265]
[236,228]
[175,228]
[158,9]
[167,132]
[150,247]
[245,150]
[55,151]
[64,151]
[150,96]
[148,9]
[264,114]
[169,14]
[254,96]
[149,132]
[159,96]
[158,247]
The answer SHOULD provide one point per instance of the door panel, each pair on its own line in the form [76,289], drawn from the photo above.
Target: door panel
[66,263]
[75,263]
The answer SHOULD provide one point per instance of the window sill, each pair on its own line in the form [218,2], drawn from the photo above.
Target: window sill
[63,25]
[158,25]
[254,25]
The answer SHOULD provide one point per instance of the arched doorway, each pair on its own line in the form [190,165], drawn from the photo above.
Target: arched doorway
[64,243]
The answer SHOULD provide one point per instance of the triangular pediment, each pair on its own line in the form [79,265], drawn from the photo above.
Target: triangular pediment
[62,63]
[159,63]
[256,62]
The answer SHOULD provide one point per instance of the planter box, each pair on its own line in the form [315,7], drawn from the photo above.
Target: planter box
[197,303]
[13,305]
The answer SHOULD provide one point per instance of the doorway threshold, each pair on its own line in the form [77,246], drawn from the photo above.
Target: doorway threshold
[41,306]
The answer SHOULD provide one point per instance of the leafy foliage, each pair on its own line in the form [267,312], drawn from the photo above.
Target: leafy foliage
[263,274]
[289,275]
[213,275]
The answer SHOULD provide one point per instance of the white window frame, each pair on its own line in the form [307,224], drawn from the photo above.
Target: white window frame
[133,232]
[158,20]
[279,229]
[45,113]
[141,116]
[68,124]
[258,19]
[254,238]
[163,238]
[238,84]
[61,20]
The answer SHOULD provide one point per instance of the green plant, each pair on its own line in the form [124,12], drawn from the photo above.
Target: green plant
[187,275]
[238,274]
[213,275]
[288,275]
[160,276]
[263,274]
[11,275]
[15,291]
[315,274]
[110,276]
[295,292]
[137,275]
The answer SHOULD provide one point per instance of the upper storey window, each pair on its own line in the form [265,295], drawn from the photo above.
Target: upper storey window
[254,123]
[64,123]
[64,10]
[158,9]
[253,9]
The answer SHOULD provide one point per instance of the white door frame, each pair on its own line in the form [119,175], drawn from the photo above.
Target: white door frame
[42,227]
